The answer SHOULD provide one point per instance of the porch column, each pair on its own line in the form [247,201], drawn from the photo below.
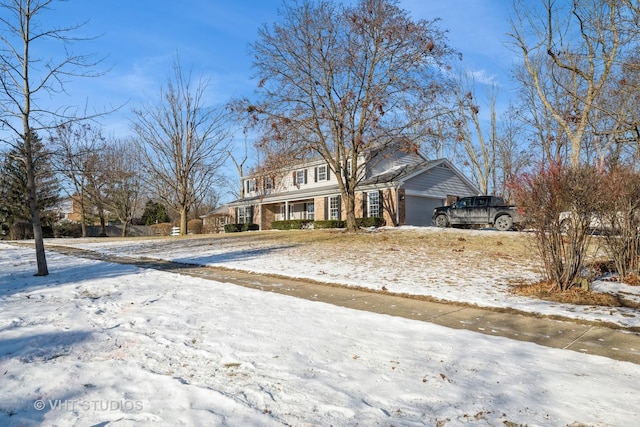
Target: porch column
[286,210]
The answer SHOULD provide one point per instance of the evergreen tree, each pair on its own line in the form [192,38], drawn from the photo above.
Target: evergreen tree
[154,213]
[14,201]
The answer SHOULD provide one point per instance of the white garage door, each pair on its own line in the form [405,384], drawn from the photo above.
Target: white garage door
[418,210]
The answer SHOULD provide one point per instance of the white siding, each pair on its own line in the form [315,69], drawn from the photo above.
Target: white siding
[286,183]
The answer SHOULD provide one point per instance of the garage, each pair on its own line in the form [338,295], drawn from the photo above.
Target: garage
[419,209]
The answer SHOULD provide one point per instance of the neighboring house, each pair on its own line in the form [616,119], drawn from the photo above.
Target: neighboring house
[403,188]
[69,209]
[214,221]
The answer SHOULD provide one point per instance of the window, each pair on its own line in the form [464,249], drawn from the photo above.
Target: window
[268,185]
[300,177]
[321,172]
[245,215]
[349,167]
[251,185]
[374,204]
[334,207]
[310,208]
[463,203]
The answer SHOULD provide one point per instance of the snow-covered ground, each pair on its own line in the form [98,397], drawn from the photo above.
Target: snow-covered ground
[97,343]
[451,276]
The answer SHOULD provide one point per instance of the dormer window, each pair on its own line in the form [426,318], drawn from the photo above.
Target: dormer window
[268,184]
[300,177]
[250,185]
[322,173]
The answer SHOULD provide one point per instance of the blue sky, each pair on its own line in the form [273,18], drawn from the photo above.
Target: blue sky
[141,38]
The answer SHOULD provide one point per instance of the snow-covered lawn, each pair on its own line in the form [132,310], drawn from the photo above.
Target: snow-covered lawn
[476,267]
[97,343]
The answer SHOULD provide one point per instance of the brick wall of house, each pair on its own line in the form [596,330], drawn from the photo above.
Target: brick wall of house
[389,207]
[318,204]
[268,216]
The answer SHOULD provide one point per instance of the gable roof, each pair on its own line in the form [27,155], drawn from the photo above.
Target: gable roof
[398,175]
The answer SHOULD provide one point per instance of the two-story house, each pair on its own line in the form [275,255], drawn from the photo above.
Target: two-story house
[403,188]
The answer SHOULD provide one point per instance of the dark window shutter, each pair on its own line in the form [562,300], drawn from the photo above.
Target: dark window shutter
[326,208]
[328,172]
[294,178]
[250,214]
[339,207]
[381,204]
[364,205]
[315,174]
[305,176]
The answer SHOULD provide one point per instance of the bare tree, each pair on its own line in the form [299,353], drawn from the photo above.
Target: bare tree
[348,84]
[23,78]
[122,180]
[572,48]
[617,131]
[183,143]
[76,145]
[542,131]
[481,150]
[513,157]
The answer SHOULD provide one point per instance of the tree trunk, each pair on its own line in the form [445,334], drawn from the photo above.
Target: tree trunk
[83,218]
[183,221]
[103,225]
[41,258]
[350,207]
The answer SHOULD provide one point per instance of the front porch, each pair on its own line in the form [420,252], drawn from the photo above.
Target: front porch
[304,209]
[330,207]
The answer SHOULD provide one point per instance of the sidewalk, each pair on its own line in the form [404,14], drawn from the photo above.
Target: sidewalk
[573,335]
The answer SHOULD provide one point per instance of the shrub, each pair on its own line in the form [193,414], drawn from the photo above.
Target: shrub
[331,223]
[21,230]
[370,222]
[195,226]
[67,229]
[47,231]
[543,195]
[620,218]
[250,227]
[232,228]
[236,228]
[292,224]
